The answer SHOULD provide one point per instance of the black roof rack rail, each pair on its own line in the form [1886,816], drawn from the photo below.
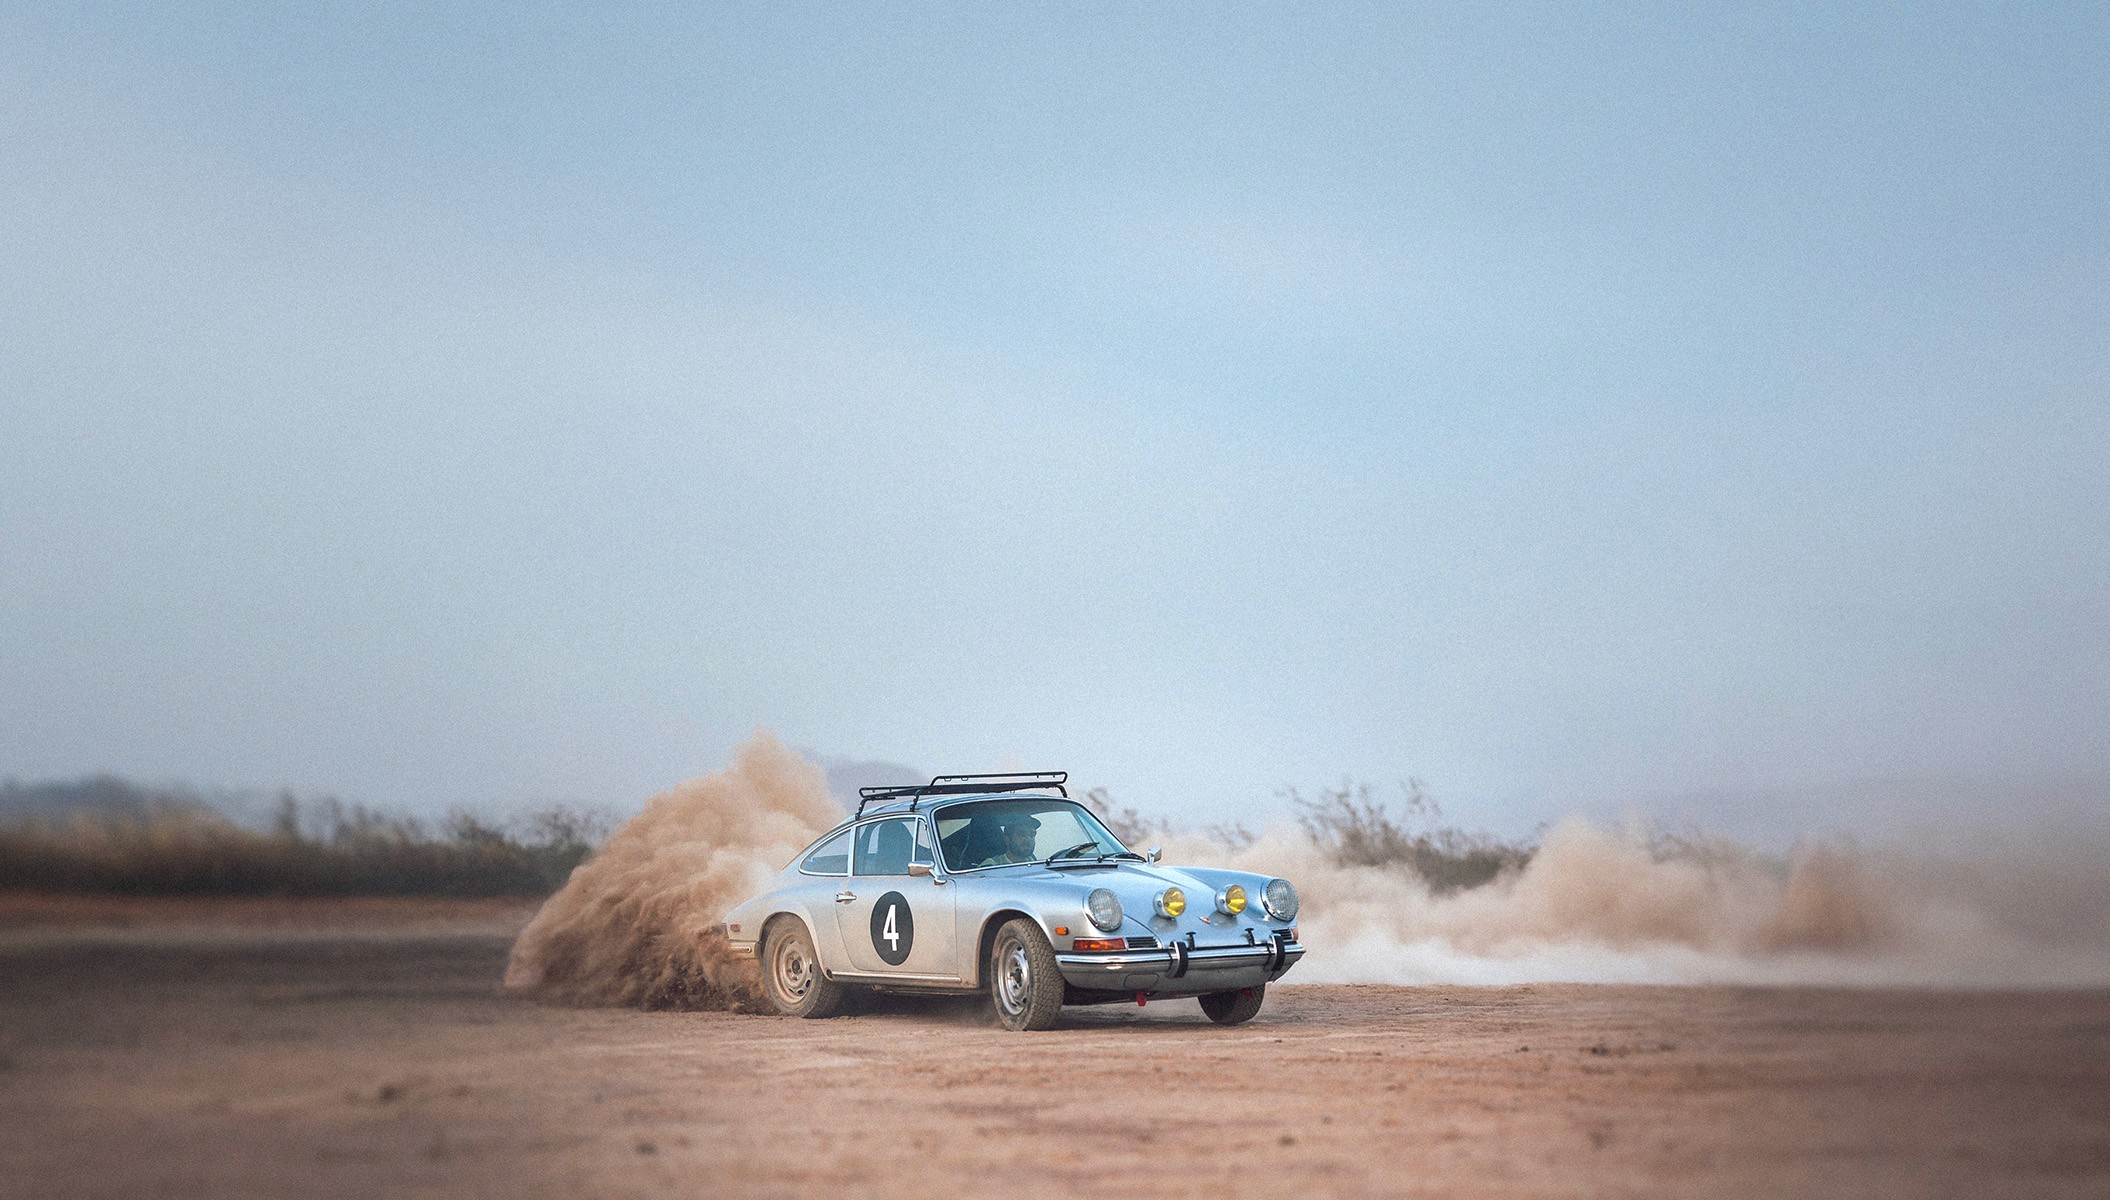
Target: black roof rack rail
[964,785]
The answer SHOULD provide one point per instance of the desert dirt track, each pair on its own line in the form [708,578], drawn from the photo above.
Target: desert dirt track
[367,1050]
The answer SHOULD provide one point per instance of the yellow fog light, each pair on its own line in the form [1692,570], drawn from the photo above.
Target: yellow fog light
[1172,902]
[1231,900]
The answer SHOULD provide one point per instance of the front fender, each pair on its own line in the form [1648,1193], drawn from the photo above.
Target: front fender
[985,904]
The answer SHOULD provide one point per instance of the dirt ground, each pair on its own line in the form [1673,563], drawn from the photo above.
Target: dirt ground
[252,1050]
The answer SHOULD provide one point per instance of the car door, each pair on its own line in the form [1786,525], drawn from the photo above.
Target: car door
[892,922]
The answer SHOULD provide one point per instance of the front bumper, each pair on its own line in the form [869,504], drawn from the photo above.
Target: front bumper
[1180,969]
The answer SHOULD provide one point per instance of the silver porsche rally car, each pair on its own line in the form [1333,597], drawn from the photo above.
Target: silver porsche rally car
[1003,883]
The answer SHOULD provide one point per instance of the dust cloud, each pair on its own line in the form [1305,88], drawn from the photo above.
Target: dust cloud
[637,923]
[1597,905]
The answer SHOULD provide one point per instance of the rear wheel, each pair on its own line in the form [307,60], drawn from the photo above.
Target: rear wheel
[791,974]
[1024,982]
[1234,1008]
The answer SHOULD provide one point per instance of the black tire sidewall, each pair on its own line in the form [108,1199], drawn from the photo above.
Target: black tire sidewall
[1234,1008]
[1045,1000]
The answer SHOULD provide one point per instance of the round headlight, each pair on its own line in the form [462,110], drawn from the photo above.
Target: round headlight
[1231,900]
[1104,908]
[1172,902]
[1280,899]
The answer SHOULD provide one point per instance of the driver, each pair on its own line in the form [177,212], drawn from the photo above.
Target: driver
[1020,832]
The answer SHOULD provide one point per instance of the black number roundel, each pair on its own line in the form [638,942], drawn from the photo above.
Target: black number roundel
[893,928]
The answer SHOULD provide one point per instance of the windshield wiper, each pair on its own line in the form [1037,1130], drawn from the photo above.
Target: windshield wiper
[1102,856]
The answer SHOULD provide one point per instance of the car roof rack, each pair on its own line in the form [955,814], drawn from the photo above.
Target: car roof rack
[964,785]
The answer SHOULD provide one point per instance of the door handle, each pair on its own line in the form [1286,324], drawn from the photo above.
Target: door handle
[845,897]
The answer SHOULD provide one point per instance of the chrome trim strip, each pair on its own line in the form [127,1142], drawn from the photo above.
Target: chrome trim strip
[867,977]
[1260,953]
[1116,962]
[1256,950]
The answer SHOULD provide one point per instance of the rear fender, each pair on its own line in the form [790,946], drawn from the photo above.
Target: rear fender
[827,943]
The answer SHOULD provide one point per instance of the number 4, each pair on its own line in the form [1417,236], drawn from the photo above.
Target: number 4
[892,935]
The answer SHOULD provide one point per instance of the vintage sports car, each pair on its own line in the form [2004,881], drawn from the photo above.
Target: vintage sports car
[1003,883]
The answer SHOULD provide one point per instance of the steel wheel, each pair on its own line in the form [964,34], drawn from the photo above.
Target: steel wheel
[792,976]
[1014,980]
[1024,982]
[794,970]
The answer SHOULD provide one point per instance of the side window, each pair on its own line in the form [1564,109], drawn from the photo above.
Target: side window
[831,857]
[955,837]
[888,847]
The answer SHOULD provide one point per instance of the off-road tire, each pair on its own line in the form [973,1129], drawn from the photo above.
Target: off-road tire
[1234,1008]
[1025,984]
[791,974]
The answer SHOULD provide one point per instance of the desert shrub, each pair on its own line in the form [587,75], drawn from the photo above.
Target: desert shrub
[1355,828]
[322,848]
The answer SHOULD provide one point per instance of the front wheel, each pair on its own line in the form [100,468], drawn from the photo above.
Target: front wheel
[791,974]
[1024,982]
[1234,1008]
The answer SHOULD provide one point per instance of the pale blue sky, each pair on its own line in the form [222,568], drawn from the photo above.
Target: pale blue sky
[1702,414]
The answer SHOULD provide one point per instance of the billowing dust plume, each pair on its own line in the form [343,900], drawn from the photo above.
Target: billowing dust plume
[638,922]
[1621,906]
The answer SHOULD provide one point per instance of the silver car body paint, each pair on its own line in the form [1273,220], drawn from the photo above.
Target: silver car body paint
[955,913]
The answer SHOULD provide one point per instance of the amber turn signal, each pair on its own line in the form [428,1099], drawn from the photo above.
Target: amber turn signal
[1099,944]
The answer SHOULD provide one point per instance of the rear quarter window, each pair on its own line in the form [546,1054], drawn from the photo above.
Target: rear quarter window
[831,857]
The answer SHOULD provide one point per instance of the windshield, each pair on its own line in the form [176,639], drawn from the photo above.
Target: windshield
[992,833]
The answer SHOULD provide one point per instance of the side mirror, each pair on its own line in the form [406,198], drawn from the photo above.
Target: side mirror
[919,870]
[1154,853]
